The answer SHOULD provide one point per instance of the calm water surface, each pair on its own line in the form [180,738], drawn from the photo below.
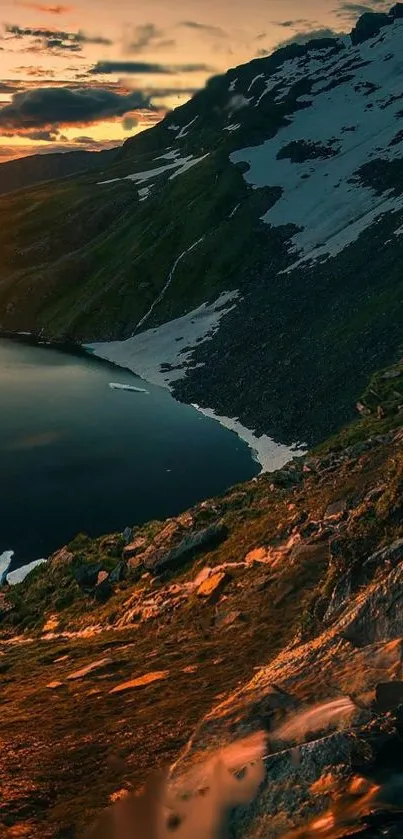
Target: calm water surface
[76,455]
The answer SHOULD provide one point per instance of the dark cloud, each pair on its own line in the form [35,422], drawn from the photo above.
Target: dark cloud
[43,7]
[146,68]
[312,35]
[49,107]
[53,40]
[6,87]
[34,70]
[293,24]
[352,11]
[204,27]
[144,37]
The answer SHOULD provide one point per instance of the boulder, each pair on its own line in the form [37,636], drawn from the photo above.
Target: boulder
[94,667]
[190,545]
[127,535]
[213,585]
[61,557]
[134,547]
[118,573]
[336,510]
[86,575]
[257,555]
[141,681]
[387,557]
[103,588]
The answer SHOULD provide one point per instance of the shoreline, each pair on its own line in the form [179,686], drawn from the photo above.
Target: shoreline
[265,451]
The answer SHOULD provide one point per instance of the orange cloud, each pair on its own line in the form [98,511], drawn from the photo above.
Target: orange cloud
[44,7]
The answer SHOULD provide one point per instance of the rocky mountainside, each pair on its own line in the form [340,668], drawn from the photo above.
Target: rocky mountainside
[276,607]
[27,171]
[277,191]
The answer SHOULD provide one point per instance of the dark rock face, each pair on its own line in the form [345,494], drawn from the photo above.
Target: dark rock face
[369,25]
[380,615]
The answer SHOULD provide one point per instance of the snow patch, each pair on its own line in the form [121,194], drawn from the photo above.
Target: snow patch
[233,127]
[170,155]
[5,559]
[145,192]
[266,452]
[17,576]
[184,131]
[157,357]
[156,354]
[260,76]
[232,85]
[321,197]
[181,164]
[118,386]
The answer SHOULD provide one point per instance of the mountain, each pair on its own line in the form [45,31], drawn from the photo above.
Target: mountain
[27,171]
[251,242]
[276,607]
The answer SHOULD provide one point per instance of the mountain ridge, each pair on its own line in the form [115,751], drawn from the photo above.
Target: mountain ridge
[185,215]
[24,172]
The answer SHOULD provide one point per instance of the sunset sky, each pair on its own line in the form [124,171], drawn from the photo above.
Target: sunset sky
[91,73]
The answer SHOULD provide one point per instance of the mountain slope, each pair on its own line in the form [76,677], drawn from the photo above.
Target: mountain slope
[282,181]
[127,650]
[27,171]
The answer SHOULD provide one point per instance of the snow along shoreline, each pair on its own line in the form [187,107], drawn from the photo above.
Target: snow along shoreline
[161,356]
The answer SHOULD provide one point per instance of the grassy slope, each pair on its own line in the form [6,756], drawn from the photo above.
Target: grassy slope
[55,776]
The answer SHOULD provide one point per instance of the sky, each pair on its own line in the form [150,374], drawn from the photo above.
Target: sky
[90,73]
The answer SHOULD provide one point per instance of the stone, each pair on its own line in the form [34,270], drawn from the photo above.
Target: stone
[134,547]
[54,685]
[127,534]
[257,555]
[86,575]
[142,681]
[96,666]
[213,585]
[389,556]
[336,510]
[118,573]
[51,624]
[61,557]
[203,575]
[103,589]
[190,545]
[229,618]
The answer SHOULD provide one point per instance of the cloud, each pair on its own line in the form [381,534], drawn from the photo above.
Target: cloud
[293,24]
[34,70]
[46,39]
[352,11]
[147,68]
[141,38]
[49,107]
[43,7]
[312,35]
[204,27]
[6,87]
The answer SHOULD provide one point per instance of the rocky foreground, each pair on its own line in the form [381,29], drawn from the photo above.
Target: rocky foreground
[135,651]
